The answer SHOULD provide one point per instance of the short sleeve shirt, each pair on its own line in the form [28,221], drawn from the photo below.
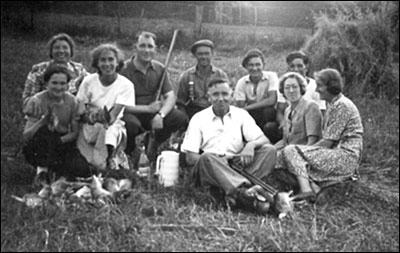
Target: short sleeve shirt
[146,85]
[92,92]
[200,84]
[303,121]
[252,93]
[39,104]
[226,136]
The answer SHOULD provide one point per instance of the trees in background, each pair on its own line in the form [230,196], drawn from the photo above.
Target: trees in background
[359,41]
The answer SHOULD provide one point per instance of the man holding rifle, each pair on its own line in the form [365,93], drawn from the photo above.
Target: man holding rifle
[221,132]
[150,114]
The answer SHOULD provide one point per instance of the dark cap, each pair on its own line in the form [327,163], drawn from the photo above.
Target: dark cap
[207,43]
[252,53]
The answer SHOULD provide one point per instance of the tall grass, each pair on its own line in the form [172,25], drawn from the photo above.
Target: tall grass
[360,216]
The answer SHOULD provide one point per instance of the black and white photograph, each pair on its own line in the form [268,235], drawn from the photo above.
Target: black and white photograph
[211,126]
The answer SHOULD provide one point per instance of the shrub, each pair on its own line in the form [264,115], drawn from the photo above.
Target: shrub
[359,44]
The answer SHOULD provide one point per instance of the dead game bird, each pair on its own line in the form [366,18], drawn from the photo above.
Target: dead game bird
[97,189]
[30,200]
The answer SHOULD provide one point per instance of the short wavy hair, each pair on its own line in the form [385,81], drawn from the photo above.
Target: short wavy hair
[61,36]
[331,78]
[56,69]
[300,80]
[107,47]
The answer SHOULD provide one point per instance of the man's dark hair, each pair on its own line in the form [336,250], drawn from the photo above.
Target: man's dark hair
[214,82]
[297,54]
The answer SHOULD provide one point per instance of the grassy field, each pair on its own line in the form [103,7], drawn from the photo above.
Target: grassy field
[361,216]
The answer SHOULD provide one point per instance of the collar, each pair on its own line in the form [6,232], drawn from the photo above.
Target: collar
[263,78]
[151,65]
[299,105]
[212,115]
[194,69]
[336,98]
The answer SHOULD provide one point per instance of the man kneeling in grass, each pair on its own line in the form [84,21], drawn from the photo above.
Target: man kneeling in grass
[221,132]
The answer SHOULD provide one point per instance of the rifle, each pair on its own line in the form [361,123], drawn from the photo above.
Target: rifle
[281,201]
[158,93]
[236,165]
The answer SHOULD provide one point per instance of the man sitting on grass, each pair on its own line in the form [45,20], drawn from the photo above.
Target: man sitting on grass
[220,132]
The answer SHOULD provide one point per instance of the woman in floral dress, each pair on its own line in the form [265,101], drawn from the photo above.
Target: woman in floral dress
[337,155]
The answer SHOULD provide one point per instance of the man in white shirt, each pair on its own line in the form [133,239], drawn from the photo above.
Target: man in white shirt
[221,132]
[257,92]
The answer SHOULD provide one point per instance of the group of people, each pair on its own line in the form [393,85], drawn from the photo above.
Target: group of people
[294,123]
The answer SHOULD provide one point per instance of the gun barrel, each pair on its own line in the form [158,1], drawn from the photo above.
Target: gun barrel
[235,165]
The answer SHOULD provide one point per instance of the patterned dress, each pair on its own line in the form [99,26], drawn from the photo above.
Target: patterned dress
[343,126]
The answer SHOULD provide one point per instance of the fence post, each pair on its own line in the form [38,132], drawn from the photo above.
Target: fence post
[197,21]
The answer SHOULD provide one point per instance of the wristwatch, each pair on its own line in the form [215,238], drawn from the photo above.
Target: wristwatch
[161,114]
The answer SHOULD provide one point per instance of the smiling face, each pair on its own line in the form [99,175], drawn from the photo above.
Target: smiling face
[61,51]
[322,89]
[146,48]
[203,55]
[291,89]
[297,65]
[107,63]
[57,85]
[254,67]
[220,96]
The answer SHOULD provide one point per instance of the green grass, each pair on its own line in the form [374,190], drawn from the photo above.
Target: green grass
[362,216]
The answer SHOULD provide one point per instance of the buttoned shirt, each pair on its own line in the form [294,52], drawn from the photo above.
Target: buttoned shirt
[199,85]
[222,136]
[146,85]
[301,122]
[251,93]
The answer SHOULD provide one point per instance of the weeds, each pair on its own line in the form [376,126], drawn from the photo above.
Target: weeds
[360,216]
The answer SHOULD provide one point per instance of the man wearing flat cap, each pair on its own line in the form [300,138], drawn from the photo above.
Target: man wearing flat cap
[192,93]
[257,92]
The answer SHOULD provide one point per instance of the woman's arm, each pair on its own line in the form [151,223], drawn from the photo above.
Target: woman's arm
[324,143]
[73,135]
[32,127]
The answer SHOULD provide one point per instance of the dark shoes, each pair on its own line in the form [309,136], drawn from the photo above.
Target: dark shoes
[253,197]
